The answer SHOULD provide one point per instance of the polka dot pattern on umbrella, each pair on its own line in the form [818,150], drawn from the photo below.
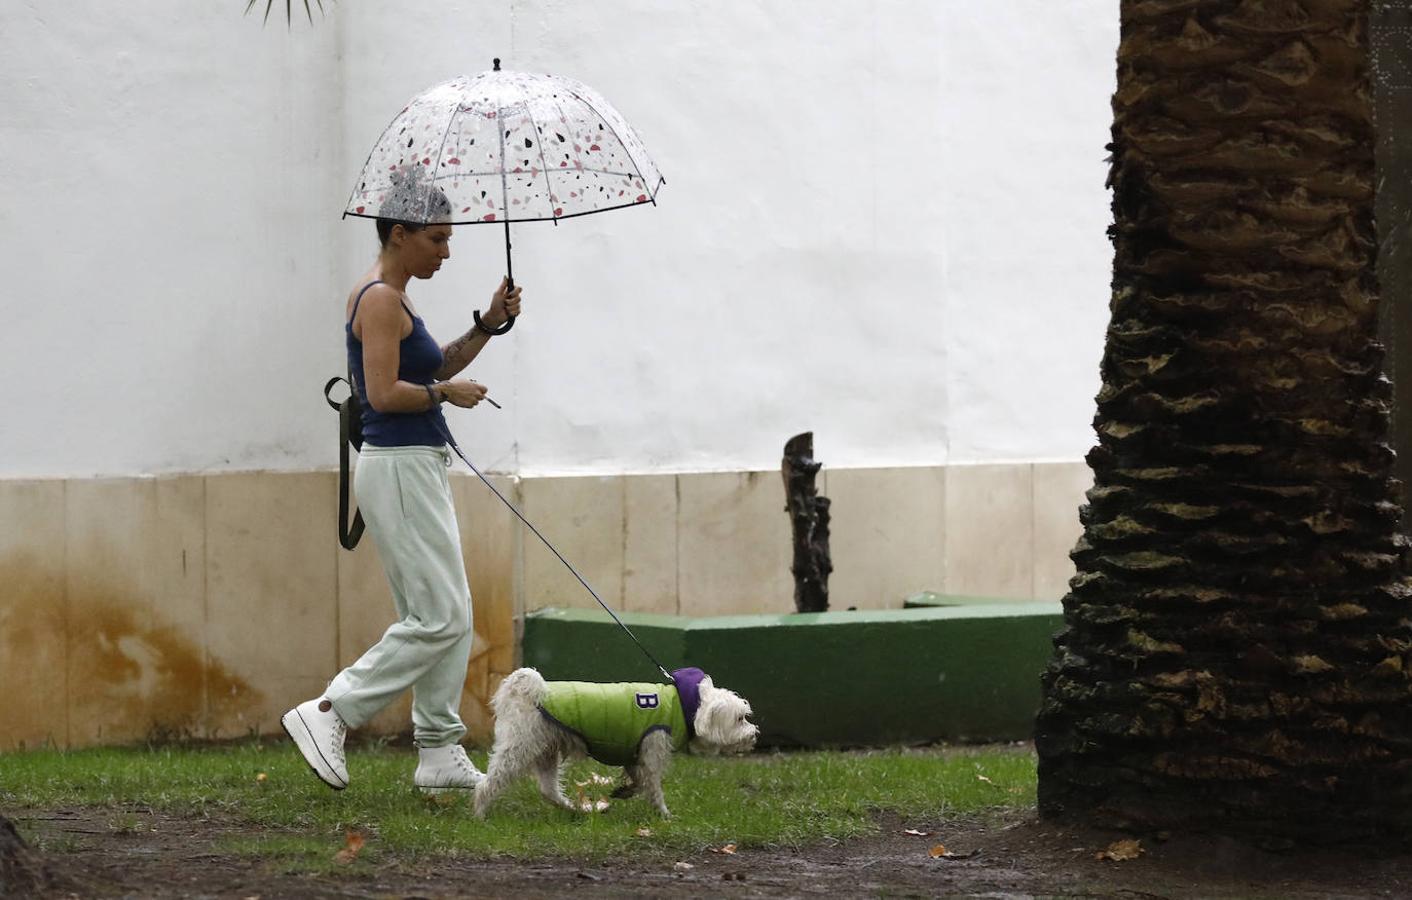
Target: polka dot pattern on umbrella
[504,147]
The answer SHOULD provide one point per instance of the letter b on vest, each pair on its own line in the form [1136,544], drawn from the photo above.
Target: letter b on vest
[646,701]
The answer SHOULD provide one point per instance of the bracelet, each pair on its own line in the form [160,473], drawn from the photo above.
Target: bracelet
[431,395]
[509,323]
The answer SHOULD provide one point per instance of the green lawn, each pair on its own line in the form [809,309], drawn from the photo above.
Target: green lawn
[763,800]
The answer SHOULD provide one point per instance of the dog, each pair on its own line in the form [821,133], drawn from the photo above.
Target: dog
[539,725]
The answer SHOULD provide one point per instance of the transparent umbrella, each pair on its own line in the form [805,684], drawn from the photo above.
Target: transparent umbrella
[502,147]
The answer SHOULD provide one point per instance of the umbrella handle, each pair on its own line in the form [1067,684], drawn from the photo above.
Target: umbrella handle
[509,323]
[509,278]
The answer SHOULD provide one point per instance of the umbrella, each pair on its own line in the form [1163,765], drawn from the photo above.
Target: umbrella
[502,147]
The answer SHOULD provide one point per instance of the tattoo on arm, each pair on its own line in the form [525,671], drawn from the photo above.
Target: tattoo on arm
[455,346]
[453,350]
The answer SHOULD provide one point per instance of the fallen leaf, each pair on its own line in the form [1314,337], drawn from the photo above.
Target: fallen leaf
[587,877]
[1119,851]
[683,867]
[985,779]
[644,832]
[727,849]
[262,778]
[940,852]
[352,845]
[915,833]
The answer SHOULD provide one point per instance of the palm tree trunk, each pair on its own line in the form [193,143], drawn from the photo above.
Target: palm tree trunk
[1236,644]
[20,873]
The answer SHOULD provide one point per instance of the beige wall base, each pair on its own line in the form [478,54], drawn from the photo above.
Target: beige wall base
[719,543]
[205,606]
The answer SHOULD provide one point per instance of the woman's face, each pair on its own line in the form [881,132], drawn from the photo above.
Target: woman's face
[424,250]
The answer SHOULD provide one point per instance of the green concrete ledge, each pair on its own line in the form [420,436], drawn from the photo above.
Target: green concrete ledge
[857,678]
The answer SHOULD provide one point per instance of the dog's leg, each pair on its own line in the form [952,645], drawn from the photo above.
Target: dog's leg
[508,761]
[549,769]
[630,785]
[497,778]
[655,756]
[520,735]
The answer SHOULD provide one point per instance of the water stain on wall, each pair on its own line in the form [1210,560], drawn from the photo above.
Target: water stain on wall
[100,664]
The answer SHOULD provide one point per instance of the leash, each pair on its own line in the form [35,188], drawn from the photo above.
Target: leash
[451,442]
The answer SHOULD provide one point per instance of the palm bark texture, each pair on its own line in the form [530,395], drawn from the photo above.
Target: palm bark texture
[1235,653]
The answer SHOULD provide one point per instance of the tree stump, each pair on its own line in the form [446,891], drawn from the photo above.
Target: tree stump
[20,872]
[809,516]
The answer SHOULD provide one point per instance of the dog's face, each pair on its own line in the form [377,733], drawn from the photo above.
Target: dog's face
[722,721]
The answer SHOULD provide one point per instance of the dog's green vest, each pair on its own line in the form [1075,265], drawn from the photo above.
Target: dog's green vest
[612,719]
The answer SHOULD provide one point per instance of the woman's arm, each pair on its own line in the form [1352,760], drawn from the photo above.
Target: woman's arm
[380,321]
[459,353]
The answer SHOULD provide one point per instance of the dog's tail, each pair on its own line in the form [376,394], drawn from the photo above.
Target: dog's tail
[523,685]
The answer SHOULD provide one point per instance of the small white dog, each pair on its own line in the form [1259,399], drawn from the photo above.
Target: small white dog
[540,724]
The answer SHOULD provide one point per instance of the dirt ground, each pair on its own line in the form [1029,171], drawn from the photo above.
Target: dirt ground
[163,856]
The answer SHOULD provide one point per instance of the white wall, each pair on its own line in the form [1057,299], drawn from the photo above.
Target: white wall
[883,221]
[165,271]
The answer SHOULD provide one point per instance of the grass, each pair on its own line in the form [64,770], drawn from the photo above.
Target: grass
[763,800]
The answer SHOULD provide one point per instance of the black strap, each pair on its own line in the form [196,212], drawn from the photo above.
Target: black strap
[359,299]
[348,534]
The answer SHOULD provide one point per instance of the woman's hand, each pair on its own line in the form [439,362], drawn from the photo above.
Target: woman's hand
[458,354]
[464,394]
[503,305]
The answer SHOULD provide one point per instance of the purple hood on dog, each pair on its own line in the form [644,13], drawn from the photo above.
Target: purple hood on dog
[688,684]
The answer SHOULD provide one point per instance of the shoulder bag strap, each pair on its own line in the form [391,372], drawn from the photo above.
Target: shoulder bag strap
[348,534]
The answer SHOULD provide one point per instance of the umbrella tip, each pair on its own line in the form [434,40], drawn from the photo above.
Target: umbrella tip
[496,61]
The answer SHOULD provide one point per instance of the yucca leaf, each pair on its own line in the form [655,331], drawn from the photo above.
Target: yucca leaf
[288,10]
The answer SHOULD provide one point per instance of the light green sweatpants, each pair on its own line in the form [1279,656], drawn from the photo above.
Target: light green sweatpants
[405,497]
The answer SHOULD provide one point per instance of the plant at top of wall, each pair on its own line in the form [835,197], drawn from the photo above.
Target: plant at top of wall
[288,9]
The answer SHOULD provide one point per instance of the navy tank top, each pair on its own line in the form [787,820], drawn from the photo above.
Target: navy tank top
[419,358]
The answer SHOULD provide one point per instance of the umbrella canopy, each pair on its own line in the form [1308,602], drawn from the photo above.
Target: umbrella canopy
[504,147]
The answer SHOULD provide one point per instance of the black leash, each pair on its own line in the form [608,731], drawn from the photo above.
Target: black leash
[451,442]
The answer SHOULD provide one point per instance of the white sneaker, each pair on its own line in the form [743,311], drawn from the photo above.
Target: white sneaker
[318,732]
[445,769]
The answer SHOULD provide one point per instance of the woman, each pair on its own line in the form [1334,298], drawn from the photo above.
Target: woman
[402,378]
